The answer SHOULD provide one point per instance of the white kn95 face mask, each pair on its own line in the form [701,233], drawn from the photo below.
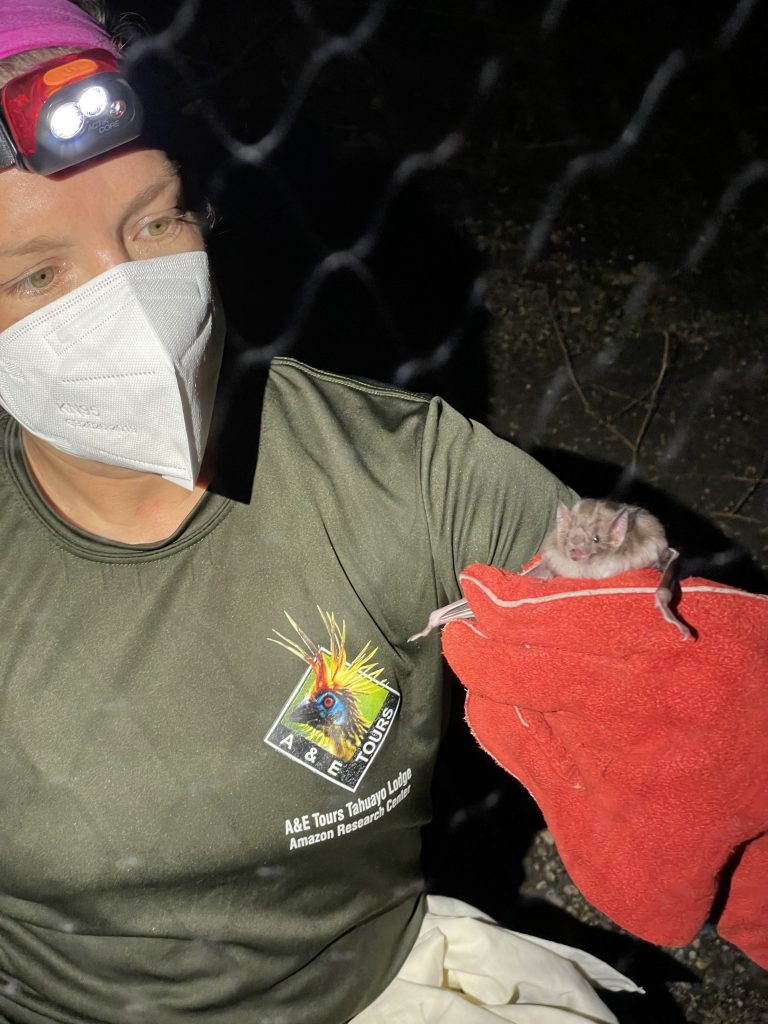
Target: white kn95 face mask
[123,369]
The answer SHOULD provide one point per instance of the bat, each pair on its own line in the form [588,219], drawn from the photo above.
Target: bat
[594,539]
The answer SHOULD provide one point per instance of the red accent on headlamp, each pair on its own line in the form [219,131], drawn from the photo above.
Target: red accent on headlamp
[23,97]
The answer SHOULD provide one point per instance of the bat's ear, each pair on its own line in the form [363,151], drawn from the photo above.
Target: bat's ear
[617,531]
[563,516]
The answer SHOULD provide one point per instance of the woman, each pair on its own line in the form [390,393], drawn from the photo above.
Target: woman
[216,741]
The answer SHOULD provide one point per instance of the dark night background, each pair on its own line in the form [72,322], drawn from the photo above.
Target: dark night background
[664,401]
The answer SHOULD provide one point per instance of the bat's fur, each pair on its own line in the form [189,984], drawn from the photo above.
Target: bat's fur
[595,539]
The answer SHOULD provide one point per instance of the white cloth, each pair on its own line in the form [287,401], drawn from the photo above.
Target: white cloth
[465,968]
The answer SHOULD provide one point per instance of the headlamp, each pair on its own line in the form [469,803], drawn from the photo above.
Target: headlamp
[65,111]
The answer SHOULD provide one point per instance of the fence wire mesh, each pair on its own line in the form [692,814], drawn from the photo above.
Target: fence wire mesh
[385,175]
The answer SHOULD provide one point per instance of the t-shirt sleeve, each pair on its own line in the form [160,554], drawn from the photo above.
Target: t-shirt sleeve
[485,500]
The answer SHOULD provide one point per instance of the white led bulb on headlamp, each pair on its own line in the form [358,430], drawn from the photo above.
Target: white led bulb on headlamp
[93,101]
[66,121]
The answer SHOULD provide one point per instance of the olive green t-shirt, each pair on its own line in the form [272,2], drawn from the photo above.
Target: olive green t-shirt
[200,823]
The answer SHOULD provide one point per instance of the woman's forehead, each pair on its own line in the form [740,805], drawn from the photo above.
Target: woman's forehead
[98,188]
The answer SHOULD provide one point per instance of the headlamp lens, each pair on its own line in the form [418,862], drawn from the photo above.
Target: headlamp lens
[66,121]
[93,101]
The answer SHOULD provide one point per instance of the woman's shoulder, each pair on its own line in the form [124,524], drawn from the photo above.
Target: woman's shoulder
[304,402]
[289,373]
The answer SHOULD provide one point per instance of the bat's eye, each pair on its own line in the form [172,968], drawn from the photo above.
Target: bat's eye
[596,539]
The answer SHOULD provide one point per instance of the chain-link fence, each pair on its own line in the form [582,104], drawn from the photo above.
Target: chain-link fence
[607,165]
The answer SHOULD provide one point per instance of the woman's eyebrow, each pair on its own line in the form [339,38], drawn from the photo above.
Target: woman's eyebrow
[150,193]
[37,244]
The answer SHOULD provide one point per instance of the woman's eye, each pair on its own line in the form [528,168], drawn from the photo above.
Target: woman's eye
[35,283]
[41,279]
[156,228]
[166,227]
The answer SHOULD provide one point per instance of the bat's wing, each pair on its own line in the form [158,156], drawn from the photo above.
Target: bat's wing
[460,609]
[539,570]
[442,616]
[668,589]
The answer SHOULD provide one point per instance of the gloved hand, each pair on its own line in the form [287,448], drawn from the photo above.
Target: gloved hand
[645,751]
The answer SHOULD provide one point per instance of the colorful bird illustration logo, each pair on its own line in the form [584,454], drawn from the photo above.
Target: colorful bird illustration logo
[342,698]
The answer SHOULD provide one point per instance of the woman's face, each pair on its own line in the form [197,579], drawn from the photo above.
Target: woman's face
[57,233]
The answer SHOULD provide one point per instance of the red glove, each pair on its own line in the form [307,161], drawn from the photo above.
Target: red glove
[644,750]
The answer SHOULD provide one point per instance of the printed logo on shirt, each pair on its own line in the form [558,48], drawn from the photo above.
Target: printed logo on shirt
[340,712]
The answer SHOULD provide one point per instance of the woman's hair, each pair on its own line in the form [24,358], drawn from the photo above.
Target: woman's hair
[10,67]
[95,9]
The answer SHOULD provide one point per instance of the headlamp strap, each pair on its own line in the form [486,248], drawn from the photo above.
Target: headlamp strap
[7,151]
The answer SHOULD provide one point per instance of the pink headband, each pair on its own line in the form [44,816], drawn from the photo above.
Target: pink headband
[38,24]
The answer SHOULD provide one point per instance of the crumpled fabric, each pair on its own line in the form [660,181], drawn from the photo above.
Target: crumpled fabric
[645,751]
[465,968]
